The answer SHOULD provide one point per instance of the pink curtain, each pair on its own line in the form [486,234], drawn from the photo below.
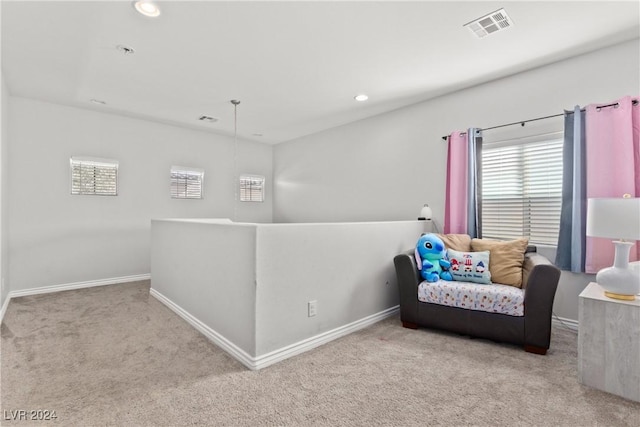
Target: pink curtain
[455,208]
[612,166]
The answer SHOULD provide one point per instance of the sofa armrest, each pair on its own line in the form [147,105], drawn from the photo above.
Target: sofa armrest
[408,280]
[540,281]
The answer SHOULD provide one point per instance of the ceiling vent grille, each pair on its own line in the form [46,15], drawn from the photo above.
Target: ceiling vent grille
[207,119]
[491,23]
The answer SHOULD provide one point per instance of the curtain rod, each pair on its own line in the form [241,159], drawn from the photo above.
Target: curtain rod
[522,122]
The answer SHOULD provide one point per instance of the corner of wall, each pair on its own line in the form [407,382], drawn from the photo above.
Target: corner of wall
[4,175]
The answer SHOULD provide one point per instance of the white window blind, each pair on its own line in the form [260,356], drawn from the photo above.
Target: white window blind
[92,176]
[251,188]
[186,183]
[522,190]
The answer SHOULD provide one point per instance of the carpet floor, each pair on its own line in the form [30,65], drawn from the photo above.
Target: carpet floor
[114,355]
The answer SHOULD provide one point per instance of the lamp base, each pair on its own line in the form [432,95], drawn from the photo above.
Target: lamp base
[619,296]
[619,281]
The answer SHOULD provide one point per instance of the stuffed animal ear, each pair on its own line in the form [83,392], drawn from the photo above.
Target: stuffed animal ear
[418,259]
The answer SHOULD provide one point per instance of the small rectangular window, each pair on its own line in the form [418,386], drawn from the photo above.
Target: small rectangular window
[93,176]
[251,188]
[186,183]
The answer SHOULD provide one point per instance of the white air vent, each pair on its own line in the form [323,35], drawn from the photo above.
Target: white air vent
[125,50]
[491,23]
[207,119]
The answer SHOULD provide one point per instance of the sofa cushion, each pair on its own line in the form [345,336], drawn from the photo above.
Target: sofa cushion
[469,266]
[492,298]
[458,242]
[506,259]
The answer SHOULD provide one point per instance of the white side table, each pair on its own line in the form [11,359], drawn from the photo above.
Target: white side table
[609,343]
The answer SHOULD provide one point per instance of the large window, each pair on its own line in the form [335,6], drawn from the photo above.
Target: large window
[522,189]
[186,183]
[93,176]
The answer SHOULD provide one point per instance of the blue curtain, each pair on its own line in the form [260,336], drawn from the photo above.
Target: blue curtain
[474,200]
[571,250]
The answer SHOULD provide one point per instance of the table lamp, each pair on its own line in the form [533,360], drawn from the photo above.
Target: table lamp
[425,213]
[616,219]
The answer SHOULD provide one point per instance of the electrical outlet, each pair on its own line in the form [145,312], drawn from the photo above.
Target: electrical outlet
[312,308]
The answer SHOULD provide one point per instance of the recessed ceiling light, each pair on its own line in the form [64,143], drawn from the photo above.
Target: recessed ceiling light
[147,8]
[98,101]
[361,97]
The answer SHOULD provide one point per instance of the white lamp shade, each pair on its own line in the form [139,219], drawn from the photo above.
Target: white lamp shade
[615,218]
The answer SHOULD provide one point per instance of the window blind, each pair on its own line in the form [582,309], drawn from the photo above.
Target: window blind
[96,177]
[522,190]
[186,183]
[251,188]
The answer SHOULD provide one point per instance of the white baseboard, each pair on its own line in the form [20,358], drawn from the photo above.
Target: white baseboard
[317,340]
[3,310]
[235,351]
[259,362]
[78,285]
[70,286]
[565,323]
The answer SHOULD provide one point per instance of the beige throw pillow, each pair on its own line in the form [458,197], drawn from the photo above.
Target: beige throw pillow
[457,242]
[506,259]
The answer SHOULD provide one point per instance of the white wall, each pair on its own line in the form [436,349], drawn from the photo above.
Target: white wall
[386,167]
[4,109]
[246,286]
[347,268]
[56,238]
[382,168]
[209,270]
[4,183]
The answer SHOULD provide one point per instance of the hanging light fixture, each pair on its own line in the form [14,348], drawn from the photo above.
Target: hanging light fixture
[235,103]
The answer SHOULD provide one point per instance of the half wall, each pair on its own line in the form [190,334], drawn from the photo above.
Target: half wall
[247,286]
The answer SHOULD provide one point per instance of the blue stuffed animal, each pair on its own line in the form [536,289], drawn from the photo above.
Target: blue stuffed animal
[431,258]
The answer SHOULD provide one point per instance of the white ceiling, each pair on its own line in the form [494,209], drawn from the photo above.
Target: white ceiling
[295,66]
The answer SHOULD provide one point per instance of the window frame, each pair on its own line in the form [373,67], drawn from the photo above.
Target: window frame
[540,179]
[245,177]
[187,172]
[100,164]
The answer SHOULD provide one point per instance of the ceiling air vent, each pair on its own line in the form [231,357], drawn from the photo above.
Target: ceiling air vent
[125,50]
[491,23]
[207,119]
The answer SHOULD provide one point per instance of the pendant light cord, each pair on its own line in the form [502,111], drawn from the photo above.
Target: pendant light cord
[235,159]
